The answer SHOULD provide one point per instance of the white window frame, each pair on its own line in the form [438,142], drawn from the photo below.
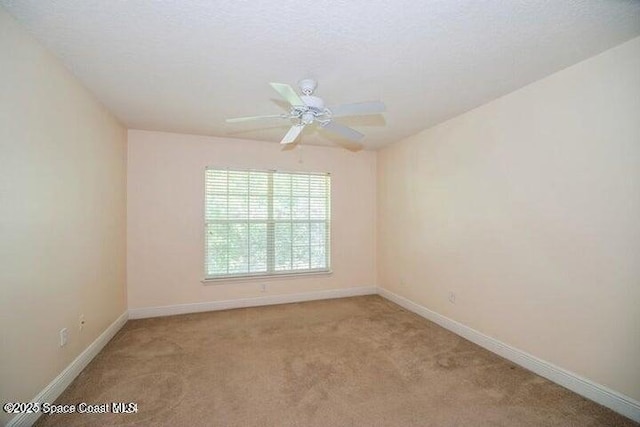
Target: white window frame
[271,272]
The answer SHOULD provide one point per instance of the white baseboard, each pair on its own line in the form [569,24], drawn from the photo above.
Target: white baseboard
[170,310]
[598,393]
[51,392]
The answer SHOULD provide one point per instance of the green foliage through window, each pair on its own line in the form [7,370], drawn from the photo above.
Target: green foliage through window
[266,222]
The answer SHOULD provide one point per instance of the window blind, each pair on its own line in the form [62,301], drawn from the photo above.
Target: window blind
[266,222]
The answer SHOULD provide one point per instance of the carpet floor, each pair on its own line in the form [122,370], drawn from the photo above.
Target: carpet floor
[360,361]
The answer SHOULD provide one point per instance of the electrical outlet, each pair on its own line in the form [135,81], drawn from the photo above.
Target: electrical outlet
[64,337]
[82,321]
[263,287]
[452,297]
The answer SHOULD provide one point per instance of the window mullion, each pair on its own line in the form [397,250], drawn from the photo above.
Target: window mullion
[248,222]
[228,225]
[271,251]
[327,222]
[290,222]
[309,222]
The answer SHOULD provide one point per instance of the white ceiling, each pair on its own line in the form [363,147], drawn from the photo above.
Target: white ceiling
[184,66]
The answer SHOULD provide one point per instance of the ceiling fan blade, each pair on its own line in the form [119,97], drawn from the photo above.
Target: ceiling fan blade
[357,109]
[343,131]
[287,93]
[292,134]
[246,119]
[349,145]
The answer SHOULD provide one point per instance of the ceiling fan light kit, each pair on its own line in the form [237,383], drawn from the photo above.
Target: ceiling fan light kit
[307,109]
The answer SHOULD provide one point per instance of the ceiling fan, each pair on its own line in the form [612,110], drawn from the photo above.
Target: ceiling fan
[307,109]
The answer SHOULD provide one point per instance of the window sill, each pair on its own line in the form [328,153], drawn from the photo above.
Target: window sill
[223,280]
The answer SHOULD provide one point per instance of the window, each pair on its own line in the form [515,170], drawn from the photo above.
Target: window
[261,223]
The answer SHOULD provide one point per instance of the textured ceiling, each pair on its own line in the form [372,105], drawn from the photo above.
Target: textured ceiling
[184,66]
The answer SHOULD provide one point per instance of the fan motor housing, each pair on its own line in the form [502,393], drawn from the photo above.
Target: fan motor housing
[313,102]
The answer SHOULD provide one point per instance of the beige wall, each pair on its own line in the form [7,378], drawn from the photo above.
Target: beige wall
[165,216]
[62,215]
[528,208]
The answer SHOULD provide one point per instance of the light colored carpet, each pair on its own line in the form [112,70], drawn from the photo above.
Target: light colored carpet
[359,361]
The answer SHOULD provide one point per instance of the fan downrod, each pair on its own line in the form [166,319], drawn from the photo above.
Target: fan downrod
[307,86]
